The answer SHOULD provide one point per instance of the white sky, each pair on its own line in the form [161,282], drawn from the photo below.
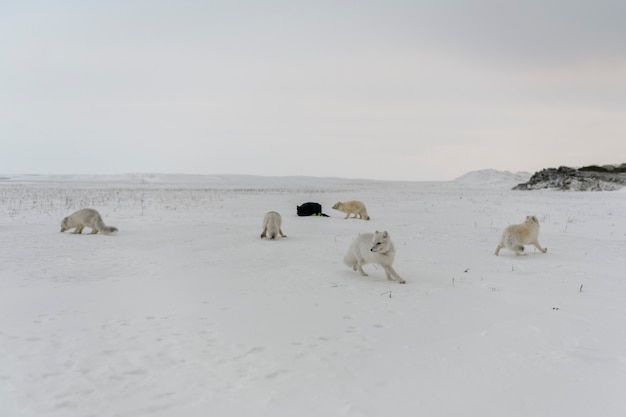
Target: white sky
[399,90]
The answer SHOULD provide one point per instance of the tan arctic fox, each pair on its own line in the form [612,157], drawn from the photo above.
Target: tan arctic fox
[373,248]
[516,236]
[352,207]
[272,223]
[86,217]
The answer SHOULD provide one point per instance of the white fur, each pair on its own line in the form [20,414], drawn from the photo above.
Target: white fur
[272,222]
[516,236]
[355,207]
[373,248]
[86,218]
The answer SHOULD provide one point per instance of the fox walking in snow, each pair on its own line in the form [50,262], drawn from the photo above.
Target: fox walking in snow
[272,223]
[352,207]
[516,236]
[373,248]
[86,218]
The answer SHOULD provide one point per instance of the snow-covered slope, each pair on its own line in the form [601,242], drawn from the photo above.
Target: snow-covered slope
[490,178]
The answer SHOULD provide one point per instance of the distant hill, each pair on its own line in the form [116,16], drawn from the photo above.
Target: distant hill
[491,178]
[589,178]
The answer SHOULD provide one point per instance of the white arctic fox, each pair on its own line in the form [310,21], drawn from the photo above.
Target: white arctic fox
[355,207]
[516,236]
[272,223]
[86,217]
[373,248]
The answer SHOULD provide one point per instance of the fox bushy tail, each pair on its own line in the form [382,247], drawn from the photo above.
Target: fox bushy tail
[107,230]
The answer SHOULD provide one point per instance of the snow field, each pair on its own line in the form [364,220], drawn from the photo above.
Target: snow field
[186,311]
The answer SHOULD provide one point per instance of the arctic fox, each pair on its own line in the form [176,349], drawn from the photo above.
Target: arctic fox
[352,207]
[86,217]
[272,223]
[516,236]
[373,248]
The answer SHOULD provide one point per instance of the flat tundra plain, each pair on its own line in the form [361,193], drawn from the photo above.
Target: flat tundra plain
[187,312]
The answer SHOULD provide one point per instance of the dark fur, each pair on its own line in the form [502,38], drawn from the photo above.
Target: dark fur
[310,209]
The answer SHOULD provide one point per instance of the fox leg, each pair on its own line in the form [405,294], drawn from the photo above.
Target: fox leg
[538,246]
[281,233]
[78,230]
[94,231]
[392,275]
[498,249]
[359,267]
[264,232]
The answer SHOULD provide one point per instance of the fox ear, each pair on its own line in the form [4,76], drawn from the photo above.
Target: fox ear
[385,234]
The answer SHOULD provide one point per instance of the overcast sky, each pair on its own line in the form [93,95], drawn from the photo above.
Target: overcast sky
[394,90]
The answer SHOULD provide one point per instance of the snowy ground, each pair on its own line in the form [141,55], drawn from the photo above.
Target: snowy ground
[187,312]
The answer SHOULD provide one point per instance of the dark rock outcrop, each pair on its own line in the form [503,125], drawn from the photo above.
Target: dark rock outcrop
[590,178]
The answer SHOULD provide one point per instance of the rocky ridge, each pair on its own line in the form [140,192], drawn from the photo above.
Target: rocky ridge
[589,178]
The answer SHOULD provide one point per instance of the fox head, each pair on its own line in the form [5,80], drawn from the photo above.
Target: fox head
[380,241]
[64,224]
[532,219]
